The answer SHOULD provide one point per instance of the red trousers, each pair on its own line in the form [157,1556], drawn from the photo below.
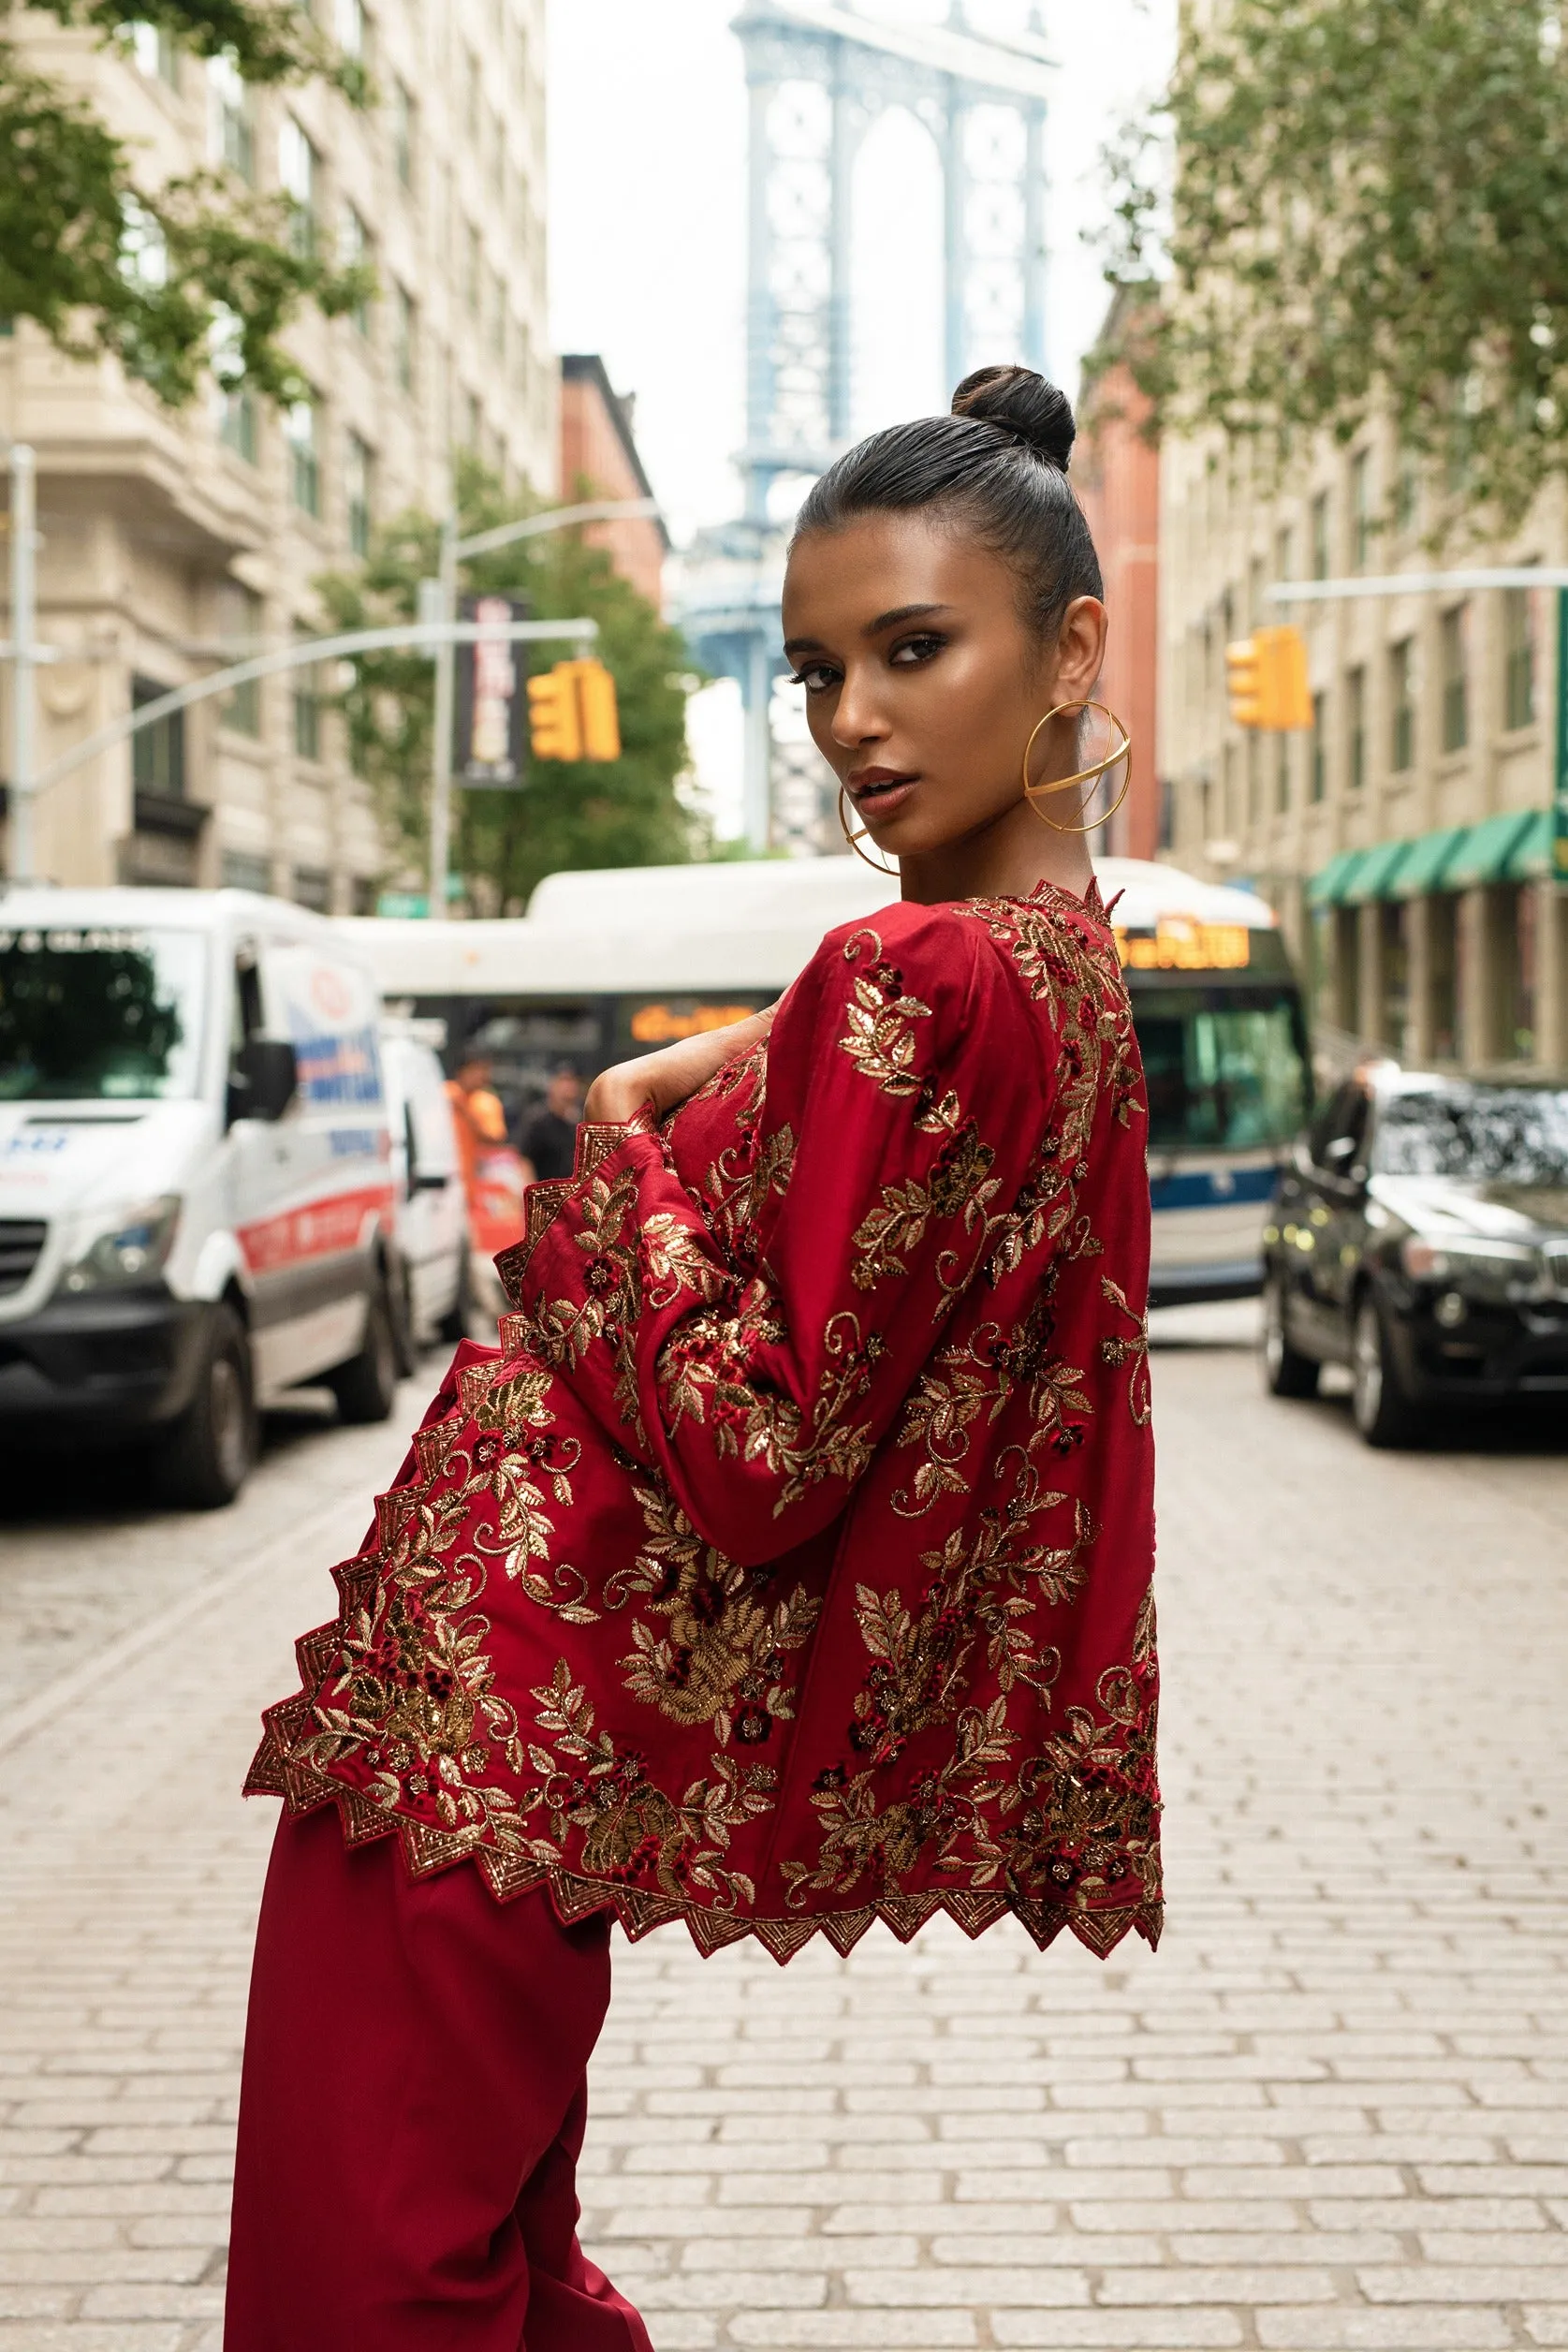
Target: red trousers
[411,2113]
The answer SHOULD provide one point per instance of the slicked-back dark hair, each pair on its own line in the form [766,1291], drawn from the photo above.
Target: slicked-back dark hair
[997,466]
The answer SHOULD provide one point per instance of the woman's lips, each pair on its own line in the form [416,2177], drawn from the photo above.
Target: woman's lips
[878,795]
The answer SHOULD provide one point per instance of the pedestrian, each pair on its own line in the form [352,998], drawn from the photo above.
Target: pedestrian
[787,1567]
[477,1115]
[548,1137]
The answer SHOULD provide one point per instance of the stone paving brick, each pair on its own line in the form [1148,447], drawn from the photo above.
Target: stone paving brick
[1330,2116]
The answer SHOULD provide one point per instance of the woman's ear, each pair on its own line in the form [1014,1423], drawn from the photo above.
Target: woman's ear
[1081,649]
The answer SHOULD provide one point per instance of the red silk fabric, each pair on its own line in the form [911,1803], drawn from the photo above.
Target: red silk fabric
[789,1565]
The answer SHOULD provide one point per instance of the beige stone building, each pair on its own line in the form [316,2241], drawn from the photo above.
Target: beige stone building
[174,543]
[1407,838]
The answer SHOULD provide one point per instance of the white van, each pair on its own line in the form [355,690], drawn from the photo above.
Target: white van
[432,1212]
[195,1187]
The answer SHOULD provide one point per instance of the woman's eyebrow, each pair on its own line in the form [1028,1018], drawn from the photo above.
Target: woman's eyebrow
[803,645]
[902,612]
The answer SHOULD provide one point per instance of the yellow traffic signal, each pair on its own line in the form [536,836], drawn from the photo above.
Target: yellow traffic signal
[1266,675]
[600,719]
[572,712]
[554,723]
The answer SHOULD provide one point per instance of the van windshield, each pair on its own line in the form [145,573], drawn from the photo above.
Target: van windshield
[95,1011]
[1226,1068]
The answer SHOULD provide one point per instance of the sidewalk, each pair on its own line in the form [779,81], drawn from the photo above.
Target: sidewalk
[1328,2116]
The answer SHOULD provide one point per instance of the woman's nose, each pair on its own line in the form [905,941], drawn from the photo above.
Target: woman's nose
[857,718]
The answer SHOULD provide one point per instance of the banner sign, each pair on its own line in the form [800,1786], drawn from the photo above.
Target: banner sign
[491,749]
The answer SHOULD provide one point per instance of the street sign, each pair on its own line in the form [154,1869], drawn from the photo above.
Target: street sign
[491,746]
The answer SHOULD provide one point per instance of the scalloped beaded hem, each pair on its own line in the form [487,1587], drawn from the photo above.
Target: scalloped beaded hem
[426,1851]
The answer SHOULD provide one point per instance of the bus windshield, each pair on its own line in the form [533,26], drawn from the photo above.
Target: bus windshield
[1227,1067]
[94,1011]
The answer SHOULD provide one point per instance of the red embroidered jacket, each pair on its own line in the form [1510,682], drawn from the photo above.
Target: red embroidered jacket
[789,1564]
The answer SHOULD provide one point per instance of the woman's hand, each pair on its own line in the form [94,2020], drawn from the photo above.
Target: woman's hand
[666,1078]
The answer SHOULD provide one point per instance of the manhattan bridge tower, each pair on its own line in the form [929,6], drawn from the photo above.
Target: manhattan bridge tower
[818,75]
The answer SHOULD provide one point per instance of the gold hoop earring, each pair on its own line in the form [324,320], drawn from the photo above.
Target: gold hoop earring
[1035,793]
[855,839]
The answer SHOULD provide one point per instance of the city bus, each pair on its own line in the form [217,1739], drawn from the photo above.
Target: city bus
[609,964]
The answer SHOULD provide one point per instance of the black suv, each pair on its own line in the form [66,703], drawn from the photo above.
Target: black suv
[1420,1233]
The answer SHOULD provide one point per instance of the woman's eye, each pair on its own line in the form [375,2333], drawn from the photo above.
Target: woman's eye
[910,651]
[816,677]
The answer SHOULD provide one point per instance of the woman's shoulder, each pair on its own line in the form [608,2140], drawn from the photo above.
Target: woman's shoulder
[932,947]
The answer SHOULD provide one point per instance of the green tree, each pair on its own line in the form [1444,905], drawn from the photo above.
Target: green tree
[191,275]
[624,812]
[1368,213]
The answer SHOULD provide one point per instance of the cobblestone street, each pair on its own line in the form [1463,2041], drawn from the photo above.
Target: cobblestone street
[1328,2116]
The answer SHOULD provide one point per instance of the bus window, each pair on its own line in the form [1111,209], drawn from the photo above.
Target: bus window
[1225,1070]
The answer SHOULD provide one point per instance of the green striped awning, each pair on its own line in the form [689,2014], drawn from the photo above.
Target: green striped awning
[1376,873]
[1426,865]
[1531,859]
[1328,888]
[1486,853]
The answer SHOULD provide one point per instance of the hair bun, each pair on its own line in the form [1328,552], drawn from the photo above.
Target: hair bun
[1023,405]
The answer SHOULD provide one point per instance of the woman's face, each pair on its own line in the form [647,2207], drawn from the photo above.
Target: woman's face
[922,682]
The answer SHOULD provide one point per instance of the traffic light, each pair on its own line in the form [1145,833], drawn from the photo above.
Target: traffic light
[601,720]
[1266,675]
[554,722]
[572,712]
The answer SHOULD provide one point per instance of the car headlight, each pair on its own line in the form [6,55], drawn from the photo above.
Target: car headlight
[1471,1257]
[127,1243]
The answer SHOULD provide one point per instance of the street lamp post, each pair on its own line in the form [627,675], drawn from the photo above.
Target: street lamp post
[453,553]
[23,655]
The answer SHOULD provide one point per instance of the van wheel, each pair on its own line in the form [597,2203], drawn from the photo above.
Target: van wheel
[1381,1411]
[453,1325]
[203,1460]
[405,1338]
[1286,1372]
[367,1385]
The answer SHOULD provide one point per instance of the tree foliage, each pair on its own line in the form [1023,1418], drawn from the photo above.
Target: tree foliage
[1368,213]
[567,815]
[180,277]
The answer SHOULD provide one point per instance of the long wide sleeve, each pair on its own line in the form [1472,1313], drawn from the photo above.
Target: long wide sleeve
[908,1121]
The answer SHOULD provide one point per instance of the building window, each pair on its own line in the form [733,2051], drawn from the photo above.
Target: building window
[1255,776]
[1518,643]
[299,429]
[157,751]
[1255,583]
[307,715]
[231,117]
[471,272]
[402,134]
[242,870]
[240,619]
[349,24]
[497,317]
[1320,535]
[313,886]
[1407,492]
[473,425]
[154,52]
[1456,679]
[404,337]
[237,423]
[1402,704]
[1285,555]
[1361,508]
[354,251]
[1319,748]
[298,174]
[357,464]
[1281,776]
[1355,730]
[472,84]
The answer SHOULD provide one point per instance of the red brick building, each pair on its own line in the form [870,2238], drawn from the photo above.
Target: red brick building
[1116,469]
[599,459]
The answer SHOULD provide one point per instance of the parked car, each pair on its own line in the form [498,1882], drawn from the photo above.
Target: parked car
[432,1215]
[1420,1235]
[196,1205]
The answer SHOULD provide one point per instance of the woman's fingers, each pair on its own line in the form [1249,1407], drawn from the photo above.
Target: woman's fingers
[674,1072]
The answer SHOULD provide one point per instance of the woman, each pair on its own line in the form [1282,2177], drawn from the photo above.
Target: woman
[789,1567]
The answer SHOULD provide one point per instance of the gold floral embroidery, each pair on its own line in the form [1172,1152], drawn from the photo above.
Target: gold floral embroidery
[1129,1348]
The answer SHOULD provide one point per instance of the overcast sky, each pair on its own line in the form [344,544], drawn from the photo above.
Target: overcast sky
[647,213]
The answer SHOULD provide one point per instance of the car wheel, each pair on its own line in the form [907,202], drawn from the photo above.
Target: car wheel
[1381,1411]
[203,1460]
[366,1387]
[1286,1372]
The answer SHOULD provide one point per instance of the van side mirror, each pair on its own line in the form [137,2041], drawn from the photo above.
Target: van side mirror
[263,1079]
